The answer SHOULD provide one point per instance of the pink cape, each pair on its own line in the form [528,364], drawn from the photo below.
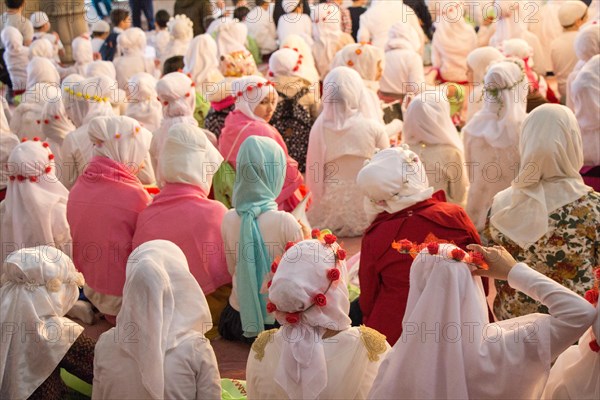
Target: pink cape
[182,214]
[102,211]
[234,123]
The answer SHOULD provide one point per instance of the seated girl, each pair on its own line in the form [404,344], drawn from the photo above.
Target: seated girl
[158,348]
[103,208]
[445,315]
[254,233]
[548,217]
[201,64]
[143,105]
[402,205]
[181,29]
[478,62]
[39,286]
[235,59]
[254,107]
[342,138]
[327,359]
[429,131]
[35,209]
[328,36]
[16,58]
[183,214]
[298,104]
[8,141]
[132,44]
[492,137]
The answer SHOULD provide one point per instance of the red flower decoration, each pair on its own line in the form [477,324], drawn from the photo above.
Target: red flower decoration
[240,94]
[333,274]
[12,177]
[404,246]
[592,296]
[274,267]
[20,178]
[289,245]
[271,307]
[193,84]
[330,238]
[187,94]
[50,156]
[341,254]
[296,69]
[48,170]
[23,140]
[259,84]
[33,179]
[433,248]
[478,259]
[36,139]
[594,346]
[46,144]
[458,254]
[315,233]
[292,318]
[46,121]
[597,273]
[269,284]
[320,300]
[57,117]
[166,103]
[250,88]
[38,122]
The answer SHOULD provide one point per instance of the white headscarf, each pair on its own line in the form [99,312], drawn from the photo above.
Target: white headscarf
[345,92]
[287,62]
[511,23]
[326,34]
[505,105]
[176,93]
[132,42]
[35,204]
[82,53]
[430,122]
[249,99]
[142,104]
[480,59]
[231,37]
[39,286]
[189,157]
[363,58]
[121,139]
[101,68]
[393,180]
[41,48]
[174,309]
[402,35]
[99,94]
[41,71]
[15,56]
[444,299]
[453,40]
[518,48]
[303,274]
[586,100]
[55,122]
[548,179]
[295,42]
[181,29]
[76,110]
[201,61]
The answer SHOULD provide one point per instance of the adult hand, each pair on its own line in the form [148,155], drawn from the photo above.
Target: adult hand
[499,260]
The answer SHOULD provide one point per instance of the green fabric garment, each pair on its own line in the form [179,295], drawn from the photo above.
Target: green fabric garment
[253,48]
[260,174]
[201,110]
[233,389]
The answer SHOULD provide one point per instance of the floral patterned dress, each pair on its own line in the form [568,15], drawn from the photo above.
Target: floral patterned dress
[568,253]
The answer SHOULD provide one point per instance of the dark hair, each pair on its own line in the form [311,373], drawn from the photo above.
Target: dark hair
[235,2]
[14,3]
[259,3]
[207,21]
[240,13]
[161,18]
[118,15]
[97,34]
[173,64]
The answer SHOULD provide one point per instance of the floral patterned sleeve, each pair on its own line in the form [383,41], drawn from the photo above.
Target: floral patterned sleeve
[568,254]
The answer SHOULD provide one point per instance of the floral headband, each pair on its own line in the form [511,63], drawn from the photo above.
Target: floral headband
[54,284]
[47,167]
[298,62]
[592,296]
[358,52]
[250,88]
[86,96]
[495,91]
[333,275]
[471,258]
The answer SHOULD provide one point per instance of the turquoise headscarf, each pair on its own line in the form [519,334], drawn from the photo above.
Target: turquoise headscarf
[261,165]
